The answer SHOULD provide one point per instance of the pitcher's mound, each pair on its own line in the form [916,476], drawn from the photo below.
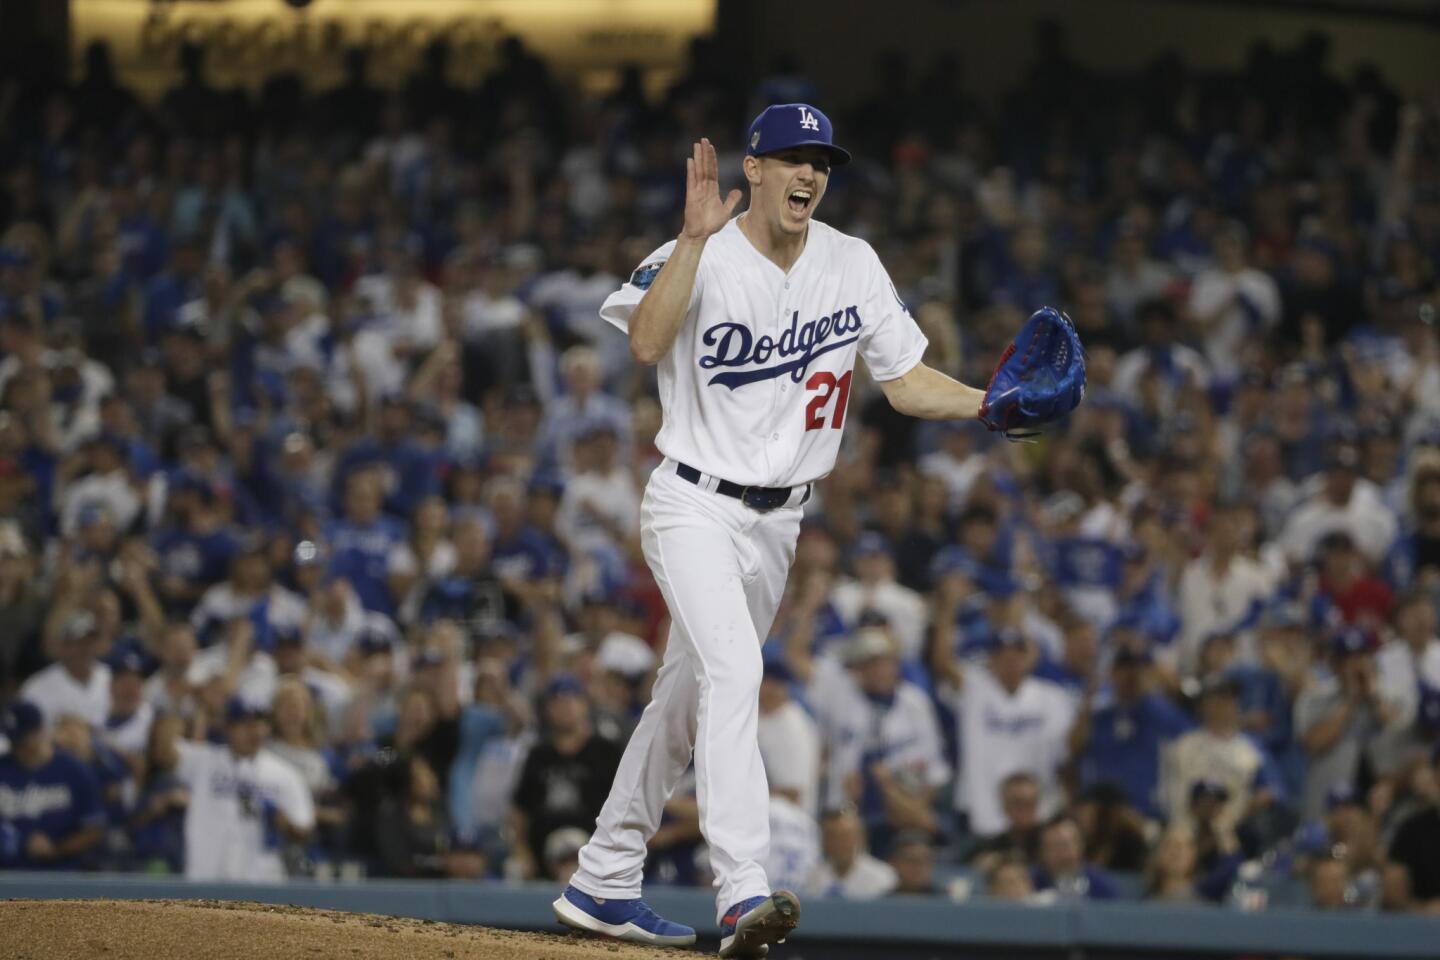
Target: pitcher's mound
[222,930]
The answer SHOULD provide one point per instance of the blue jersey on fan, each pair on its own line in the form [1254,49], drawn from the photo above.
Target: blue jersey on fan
[360,554]
[1125,744]
[57,798]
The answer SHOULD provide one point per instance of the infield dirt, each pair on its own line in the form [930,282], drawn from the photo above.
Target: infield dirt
[223,930]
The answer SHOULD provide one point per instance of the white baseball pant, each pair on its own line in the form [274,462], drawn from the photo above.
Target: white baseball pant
[722,567]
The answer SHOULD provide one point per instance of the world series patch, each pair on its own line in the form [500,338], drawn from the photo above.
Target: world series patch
[645,276]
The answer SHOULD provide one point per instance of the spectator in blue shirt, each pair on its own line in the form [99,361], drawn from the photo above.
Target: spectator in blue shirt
[51,813]
[1062,865]
[1119,741]
[409,470]
[360,543]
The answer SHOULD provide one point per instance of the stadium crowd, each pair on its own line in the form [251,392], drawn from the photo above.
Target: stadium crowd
[320,480]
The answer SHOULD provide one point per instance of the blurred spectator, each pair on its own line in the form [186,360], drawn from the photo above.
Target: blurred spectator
[794,840]
[1416,843]
[1219,752]
[1113,830]
[1061,865]
[884,745]
[157,825]
[51,810]
[1020,802]
[1009,721]
[913,859]
[1343,502]
[1171,873]
[1232,302]
[875,589]
[246,804]
[848,869]
[77,682]
[1010,879]
[1121,741]
[789,741]
[1339,718]
[1219,590]
[1330,884]
[565,777]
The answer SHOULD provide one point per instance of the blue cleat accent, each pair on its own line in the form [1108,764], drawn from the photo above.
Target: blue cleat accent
[749,927]
[622,919]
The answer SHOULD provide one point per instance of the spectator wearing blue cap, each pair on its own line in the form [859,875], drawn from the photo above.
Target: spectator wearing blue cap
[1009,721]
[565,779]
[127,723]
[1341,717]
[246,804]
[1121,738]
[51,811]
[874,588]
[193,544]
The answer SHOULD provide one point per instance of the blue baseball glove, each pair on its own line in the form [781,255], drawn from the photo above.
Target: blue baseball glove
[1039,379]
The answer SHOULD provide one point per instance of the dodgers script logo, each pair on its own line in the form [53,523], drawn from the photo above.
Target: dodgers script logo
[737,346]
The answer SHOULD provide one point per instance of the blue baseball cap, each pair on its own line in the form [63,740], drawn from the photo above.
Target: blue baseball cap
[240,710]
[1351,641]
[22,719]
[870,543]
[564,684]
[785,125]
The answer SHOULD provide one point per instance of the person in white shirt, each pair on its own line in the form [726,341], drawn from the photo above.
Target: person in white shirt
[77,683]
[1161,356]
[849,870]
[600,508]
[246,803]
[1232,302]
[408,306]
[789,740]
[1009,721]
[107,484]
[1406,666]
[249,588]
[573,296]
[1219,590]
[956,462]
[886,753]
[127,722]
[875,589]
[1133,277]
[582,405]
[794,839]
[1344,501]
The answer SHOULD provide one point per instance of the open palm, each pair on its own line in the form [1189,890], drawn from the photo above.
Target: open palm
[705,212]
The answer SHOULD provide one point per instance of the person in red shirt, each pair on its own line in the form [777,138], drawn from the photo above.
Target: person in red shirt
[1346,580]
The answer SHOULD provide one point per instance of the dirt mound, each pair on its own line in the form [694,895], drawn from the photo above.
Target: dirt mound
[223,930]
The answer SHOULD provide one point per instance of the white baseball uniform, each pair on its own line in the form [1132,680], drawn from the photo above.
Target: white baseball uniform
[754,391]
[226,833]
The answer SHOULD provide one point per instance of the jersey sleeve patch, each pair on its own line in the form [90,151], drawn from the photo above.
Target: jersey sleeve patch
[645,276]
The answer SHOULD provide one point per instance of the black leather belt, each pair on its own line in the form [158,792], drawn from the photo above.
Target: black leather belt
[762,499]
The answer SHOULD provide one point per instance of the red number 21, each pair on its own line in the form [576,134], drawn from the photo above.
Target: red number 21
[825,383]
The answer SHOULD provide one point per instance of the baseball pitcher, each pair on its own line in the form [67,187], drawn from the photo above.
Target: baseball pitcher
[755,323]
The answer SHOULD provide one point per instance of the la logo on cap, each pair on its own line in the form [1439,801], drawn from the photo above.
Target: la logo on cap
[808,121]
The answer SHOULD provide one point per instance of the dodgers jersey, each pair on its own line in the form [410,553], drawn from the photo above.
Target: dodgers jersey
[755,387]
